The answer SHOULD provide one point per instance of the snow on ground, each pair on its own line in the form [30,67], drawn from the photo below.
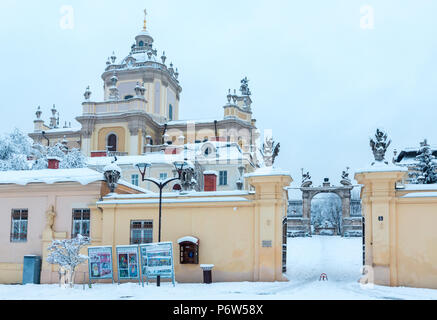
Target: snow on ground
[340,258]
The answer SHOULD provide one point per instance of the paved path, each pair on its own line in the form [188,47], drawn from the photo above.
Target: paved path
[340,258]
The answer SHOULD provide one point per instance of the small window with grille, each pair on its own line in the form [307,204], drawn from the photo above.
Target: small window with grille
[223,178]
[135,179]
[19,225]
[141,231]
[163,176]
[81,223]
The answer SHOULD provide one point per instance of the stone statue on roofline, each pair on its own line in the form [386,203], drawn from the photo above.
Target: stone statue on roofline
[188,179]
[379,145]
[245,91]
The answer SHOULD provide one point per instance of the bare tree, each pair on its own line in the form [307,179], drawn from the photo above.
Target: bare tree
[66,254]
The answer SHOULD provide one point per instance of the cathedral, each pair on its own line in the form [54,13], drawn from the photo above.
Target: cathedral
[140,112]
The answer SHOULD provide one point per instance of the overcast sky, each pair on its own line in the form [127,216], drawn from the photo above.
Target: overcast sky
[323,74]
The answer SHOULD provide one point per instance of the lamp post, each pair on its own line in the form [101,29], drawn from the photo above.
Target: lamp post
[142,167]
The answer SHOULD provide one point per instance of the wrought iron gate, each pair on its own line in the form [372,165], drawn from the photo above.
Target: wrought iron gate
[284,244]
[364,241]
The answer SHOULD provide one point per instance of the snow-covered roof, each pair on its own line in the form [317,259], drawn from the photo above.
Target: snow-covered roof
[132,186]
[407,156]
[226,193]
[83,176]
[140,57]
[154,158]
[179,122]
[210,172]
[420,187]
[58,130]
[174,200]
[223,151]
[267,171]
[420,195]
[49,176]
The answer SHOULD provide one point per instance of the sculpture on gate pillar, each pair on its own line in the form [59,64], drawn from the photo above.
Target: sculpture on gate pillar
[306,179]
[270,151]
[379,146]
[345,180]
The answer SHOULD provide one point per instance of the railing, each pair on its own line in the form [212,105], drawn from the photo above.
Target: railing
[116,153]
[18,237]
[140,240]
[115,106]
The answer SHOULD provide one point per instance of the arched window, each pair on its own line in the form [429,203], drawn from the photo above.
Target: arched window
[170,112]
[112,142]
[141,44]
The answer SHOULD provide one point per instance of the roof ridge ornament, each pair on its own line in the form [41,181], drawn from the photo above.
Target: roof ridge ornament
[145,20]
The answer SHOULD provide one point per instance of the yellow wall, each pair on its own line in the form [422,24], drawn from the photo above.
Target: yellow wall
[230,233]
[417,245]
[230,228]
[401,249]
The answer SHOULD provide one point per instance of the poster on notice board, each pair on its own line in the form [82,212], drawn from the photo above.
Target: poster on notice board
[157,260]
[100,262]
[128,262]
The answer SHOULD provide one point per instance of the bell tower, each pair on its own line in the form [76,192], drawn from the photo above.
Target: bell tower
[141,94]
[143,65]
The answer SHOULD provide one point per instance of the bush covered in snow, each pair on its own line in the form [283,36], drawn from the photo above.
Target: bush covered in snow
[425,170]
[66,254]
[14,150]
[17,148]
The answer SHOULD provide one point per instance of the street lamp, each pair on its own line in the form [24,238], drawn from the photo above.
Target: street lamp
[142,167]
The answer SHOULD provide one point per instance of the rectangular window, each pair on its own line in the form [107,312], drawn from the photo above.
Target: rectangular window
[223,178]
[141,231]
[81,223]
[134,179]
[163,175]
[19,225]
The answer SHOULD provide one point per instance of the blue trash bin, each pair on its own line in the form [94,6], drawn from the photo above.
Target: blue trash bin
[31,269]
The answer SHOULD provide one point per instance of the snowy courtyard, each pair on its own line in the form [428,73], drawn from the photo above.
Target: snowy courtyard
[307,258]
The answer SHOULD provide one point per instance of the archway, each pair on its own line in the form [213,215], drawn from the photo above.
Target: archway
[326,213]
[308,193]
